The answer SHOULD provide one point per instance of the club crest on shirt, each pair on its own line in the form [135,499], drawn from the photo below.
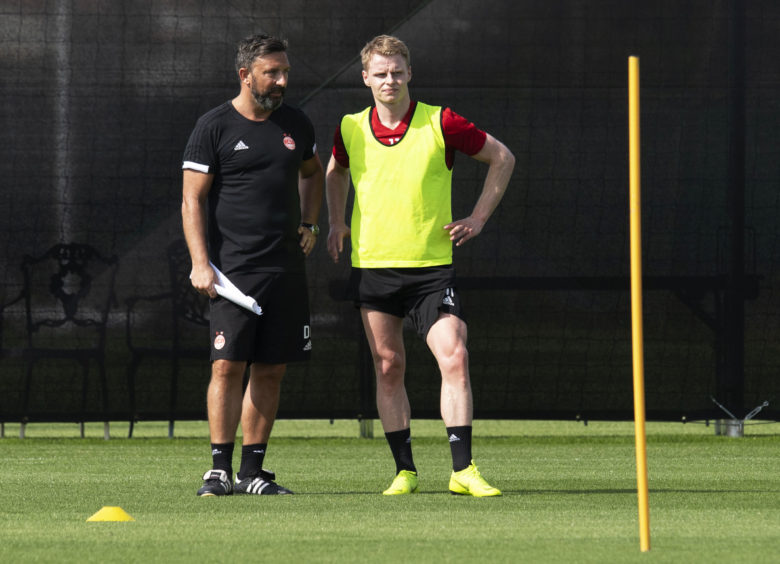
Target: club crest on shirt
[289,142]
[219,341]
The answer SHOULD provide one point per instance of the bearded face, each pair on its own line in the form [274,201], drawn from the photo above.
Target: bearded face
[268,80]
[269,99]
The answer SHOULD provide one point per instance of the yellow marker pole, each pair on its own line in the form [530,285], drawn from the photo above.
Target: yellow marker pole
[637,338]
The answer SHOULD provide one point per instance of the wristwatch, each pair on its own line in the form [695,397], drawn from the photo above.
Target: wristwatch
[313,227]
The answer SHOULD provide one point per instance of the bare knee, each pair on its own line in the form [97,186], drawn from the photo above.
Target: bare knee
[454,364]
[223,371]
[447,341]
[268,374]
[455,356]
[390,368]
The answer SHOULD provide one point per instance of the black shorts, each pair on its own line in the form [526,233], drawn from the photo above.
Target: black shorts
[280,335]
[419,293]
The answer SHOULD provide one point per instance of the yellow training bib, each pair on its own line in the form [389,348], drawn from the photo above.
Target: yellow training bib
[402,193]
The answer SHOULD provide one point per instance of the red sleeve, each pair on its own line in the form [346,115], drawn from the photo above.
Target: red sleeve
[460,134]
[339,150]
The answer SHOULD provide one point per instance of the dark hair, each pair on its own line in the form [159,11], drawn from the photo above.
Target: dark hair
[254,46]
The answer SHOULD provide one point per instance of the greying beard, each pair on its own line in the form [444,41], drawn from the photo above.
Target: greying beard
[265,101]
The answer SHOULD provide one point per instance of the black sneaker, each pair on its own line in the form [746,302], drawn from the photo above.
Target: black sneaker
[216,482]
[261,484]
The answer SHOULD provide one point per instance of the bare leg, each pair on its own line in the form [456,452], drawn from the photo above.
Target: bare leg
[447,341]
[261,402]
[223,400]
[385,337]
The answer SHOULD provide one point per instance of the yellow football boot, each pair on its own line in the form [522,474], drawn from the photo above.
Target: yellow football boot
[404,483]
[470,482]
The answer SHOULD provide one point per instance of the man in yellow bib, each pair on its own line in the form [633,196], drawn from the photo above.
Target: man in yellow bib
[399,154]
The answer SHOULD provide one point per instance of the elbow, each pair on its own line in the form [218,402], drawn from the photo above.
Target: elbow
[508,158]
[191,206]
[336,178]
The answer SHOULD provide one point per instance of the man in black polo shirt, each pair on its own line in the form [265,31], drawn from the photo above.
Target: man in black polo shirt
[252,190]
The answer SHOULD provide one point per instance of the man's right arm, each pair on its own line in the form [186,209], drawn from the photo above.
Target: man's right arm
[195,191]
[336,190]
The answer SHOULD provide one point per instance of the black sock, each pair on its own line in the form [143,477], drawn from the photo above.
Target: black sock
[460,446]
[222,457]
[401,446]
[251,460]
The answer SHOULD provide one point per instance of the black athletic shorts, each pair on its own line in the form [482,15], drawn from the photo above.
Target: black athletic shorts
[419,293]
[280,335]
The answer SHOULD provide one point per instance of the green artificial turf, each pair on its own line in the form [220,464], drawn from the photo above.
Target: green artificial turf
[569,496]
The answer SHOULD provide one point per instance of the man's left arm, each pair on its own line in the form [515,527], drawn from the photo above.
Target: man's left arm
[500,162]
[310,181]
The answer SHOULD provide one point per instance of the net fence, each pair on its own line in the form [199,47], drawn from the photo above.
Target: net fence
[98,99]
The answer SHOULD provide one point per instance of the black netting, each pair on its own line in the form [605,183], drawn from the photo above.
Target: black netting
[98,99]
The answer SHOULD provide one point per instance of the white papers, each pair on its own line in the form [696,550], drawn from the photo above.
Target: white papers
[227,290]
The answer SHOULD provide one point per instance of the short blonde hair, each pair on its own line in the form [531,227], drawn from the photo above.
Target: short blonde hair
[386,45]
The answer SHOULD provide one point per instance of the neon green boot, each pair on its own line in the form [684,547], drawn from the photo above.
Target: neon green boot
[404,483]
[470,482]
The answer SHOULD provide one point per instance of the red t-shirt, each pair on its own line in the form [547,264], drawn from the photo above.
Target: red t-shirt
[459,135]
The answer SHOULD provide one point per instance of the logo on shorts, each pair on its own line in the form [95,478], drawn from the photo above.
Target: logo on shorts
[448,294]
[219,340]
[289,142]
